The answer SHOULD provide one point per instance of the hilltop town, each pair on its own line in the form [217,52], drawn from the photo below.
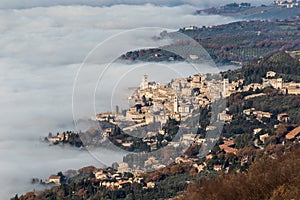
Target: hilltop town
[231,134]
[170,132]
[247,124]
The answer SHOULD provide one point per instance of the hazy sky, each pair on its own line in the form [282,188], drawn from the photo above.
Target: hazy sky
[42,48]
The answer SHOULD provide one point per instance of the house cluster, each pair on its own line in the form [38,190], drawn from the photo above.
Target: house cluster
[293,134]
[278,83]
[257,113]
[287,3]
[190,28]
[282,117]
[110,177]
[156,103]
[270,80]
[59,137]
[118,179]
[228,146]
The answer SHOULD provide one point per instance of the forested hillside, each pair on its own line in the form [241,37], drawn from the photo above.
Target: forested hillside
[235,42]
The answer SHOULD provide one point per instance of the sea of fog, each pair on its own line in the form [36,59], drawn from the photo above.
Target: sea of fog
[42,50]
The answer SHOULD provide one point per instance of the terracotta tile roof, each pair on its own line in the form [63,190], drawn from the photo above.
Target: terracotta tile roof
[293,133]
[228,149]
[54,177]
[229,142]
[217,167]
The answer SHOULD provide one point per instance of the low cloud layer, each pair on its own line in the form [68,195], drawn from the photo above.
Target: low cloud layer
[41,51]
[16,4]
[65,34]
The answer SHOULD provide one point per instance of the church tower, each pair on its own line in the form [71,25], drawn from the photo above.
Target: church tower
[175,104]
[225,85]
[144,83]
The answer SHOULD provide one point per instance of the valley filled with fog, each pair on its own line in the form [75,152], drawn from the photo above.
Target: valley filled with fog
[42,51]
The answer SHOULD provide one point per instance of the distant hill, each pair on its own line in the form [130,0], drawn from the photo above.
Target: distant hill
[238,42]
[246,11]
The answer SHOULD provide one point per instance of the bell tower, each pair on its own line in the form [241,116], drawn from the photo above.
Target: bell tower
[144,83]
[175,104]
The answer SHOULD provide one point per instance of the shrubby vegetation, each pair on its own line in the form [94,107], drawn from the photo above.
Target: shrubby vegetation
[267,178]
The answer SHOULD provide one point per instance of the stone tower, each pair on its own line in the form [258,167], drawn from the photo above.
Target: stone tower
[175,104]
[144,83]
[225,85]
